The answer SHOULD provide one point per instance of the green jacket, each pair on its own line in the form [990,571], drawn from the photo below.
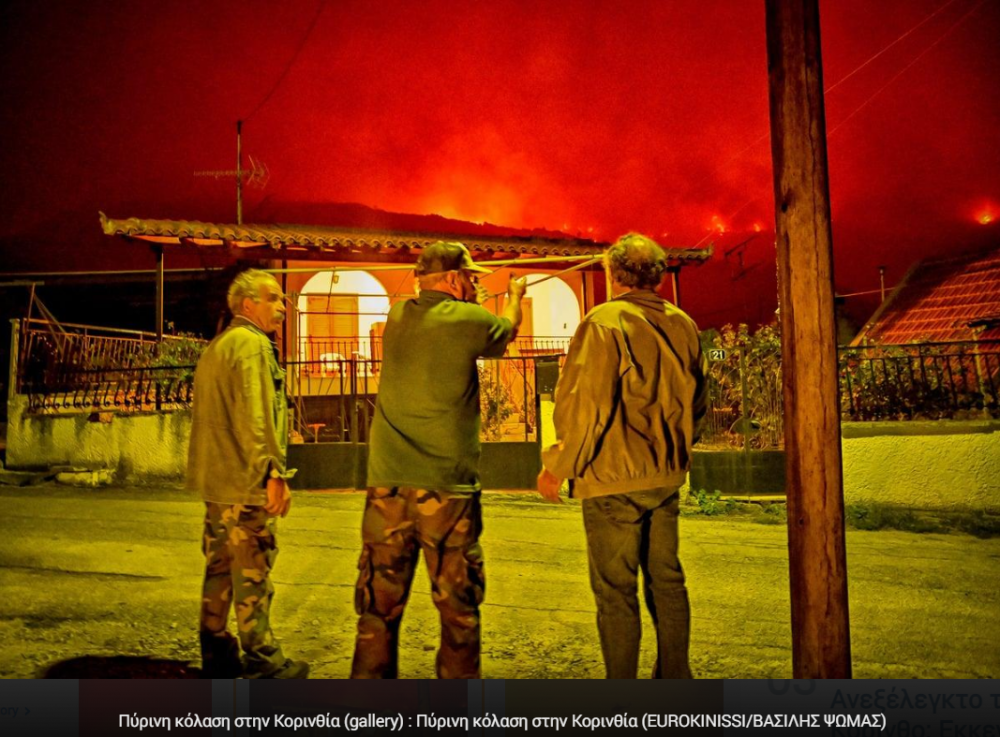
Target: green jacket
[239,419]
[629,398]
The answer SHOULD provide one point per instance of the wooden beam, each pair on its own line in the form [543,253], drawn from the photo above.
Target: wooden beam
[817,559]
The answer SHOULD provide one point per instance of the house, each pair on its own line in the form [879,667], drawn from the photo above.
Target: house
[944,300]
[341,281]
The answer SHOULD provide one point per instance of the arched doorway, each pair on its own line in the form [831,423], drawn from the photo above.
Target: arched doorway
[340,317]
[551,313]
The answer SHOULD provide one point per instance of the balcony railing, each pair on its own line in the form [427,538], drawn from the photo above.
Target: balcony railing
[325,356]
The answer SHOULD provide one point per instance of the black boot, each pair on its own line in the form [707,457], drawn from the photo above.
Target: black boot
[220,656]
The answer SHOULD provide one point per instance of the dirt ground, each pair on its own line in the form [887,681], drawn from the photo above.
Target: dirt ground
[87,574]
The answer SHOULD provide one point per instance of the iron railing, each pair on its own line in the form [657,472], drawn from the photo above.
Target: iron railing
[80,367]
[334,399]
[744,398]
[56,358]
[120,390]
[920,381]
[323,356]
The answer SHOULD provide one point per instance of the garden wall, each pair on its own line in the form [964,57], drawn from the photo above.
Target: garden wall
[136,446]
[149,447]
[944,464]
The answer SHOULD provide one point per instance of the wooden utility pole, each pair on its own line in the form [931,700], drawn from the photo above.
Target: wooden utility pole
[817,560]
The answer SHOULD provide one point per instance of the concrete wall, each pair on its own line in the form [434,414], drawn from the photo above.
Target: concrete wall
[761,472]
[929,465]
[150,447]
[136,447]
[948,464]
[924,465]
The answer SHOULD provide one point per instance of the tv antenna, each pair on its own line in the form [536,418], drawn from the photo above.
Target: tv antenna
[256,176]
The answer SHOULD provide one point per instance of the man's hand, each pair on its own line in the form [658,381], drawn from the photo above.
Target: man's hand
[516,287]
[512,310]
[279,498]
[549,485]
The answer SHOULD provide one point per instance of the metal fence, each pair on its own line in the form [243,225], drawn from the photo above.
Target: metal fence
[324,356]
[745,398]
[928,381]
[925,381]
[123,390]
[71,367]
[334,399]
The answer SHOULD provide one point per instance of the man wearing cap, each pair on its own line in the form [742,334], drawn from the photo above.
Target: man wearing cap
[423,458]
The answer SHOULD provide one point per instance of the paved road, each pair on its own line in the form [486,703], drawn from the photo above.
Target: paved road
[92,573]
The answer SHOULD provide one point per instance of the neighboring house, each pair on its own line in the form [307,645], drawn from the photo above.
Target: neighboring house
[932,350]
[955,299]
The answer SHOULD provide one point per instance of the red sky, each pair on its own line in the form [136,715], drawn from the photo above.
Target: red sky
[616,116]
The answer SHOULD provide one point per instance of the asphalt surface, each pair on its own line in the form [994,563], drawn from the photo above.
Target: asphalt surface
[90,574]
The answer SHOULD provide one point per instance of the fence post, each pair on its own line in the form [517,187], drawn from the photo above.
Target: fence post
[524,397]
[745,422]
[15,356]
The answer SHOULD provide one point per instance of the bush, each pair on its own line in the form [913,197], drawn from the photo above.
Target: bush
[711,505]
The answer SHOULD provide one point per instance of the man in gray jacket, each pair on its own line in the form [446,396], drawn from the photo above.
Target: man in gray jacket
[237,462]
[628,404]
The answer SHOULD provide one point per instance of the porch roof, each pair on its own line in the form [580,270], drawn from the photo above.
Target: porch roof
[331,243]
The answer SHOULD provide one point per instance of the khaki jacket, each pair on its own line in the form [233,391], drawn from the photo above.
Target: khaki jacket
[629,399]
[239,420]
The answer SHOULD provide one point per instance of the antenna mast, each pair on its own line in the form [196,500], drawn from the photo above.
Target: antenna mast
[239,172]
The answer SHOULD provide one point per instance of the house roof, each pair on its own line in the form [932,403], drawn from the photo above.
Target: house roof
[357,244]
[950,299]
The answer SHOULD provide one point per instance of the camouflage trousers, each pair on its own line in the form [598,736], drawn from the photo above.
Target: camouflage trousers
[240,549]
[399,523]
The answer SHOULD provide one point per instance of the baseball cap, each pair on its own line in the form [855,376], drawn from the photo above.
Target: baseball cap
[446,256]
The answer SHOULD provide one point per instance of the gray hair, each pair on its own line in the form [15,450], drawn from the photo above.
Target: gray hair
[636,261]
[246,284]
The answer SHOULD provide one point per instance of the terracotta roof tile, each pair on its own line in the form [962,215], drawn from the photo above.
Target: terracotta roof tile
[939,299]
[342,242]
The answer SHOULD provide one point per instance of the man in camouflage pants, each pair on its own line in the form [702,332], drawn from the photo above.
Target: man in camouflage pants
[236,461]
[423,464]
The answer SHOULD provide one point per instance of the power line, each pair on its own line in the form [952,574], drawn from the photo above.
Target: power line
[291,62]
[902,71]
[738,155]
[864,104]
[869,61]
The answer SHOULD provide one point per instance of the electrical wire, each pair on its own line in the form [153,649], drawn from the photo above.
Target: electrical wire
[873,58]
[291,62]
[759,140]
[864,104]
[902,71]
